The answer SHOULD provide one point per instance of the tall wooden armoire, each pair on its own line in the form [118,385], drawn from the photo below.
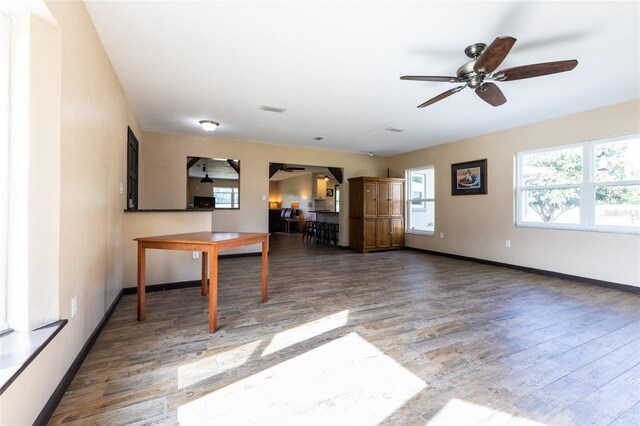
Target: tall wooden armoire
[376,213]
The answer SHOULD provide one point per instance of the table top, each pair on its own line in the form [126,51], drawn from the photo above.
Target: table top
[203,237]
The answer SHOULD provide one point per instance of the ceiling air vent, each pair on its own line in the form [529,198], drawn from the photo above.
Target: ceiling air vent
[394,129]
[272,108]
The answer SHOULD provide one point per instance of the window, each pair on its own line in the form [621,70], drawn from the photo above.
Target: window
[337,198]
[4,166]
[593,185]
[226,197]
[421,200]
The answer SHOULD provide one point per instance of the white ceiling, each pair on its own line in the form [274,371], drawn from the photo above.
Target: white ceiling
[335,66]
[216,168]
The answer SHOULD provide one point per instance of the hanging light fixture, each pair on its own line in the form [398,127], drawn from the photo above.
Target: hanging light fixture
[206,178]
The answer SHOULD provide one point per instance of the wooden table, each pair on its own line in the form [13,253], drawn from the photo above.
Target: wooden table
[209,244]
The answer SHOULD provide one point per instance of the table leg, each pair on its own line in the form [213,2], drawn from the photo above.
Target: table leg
[265,269]
[141,281]
[213,289]
[203,279]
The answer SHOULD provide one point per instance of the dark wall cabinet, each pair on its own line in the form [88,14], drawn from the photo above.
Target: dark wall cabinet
[376,213]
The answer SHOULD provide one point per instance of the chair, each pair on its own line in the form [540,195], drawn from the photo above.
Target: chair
[309,231]
[289,216]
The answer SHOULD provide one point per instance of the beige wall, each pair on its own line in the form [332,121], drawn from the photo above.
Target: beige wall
[598,255]
[163,181]
[163,185]
[199,189]
[93,135]
[297,189]
[274,191]
[162,266]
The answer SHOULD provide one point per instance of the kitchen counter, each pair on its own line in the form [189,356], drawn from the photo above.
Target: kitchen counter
[167,210]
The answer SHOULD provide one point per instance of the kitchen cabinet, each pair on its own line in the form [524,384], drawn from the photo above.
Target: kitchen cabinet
[376,213]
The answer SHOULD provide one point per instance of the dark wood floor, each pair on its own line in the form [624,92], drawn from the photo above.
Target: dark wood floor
[346,338]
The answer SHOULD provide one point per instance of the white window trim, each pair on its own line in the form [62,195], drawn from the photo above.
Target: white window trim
[235,197]
[409,200]
[586,187]
[4,168]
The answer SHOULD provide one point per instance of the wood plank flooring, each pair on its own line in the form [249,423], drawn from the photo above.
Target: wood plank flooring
[379,338]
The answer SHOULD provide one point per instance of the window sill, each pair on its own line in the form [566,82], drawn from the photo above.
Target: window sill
[416,232]
[19,348]
[611,230]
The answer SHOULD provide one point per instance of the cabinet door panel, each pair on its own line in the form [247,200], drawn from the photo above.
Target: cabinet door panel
[397,232]
[369,233]
[384,199]
[370,199]
[383,233]
[397,199]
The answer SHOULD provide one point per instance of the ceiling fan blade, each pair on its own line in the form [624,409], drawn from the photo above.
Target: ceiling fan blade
[535,70]
[493,55]
[491,94]
[431,78]
[441,96]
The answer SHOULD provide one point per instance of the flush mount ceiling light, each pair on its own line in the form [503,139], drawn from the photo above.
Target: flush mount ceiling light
[208,125]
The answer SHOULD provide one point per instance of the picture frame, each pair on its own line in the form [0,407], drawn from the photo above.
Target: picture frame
[330,192]
[469,177]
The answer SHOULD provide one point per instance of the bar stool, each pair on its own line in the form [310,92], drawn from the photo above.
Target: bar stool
[321,231]
[309,230]
[332,234]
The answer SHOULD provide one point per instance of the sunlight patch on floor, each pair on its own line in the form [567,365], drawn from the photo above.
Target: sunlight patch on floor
[345,381]
[459,412]
[211,366]
[306,331]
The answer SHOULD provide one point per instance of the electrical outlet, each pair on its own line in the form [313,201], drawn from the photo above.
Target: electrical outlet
[507,243]
[442,235]
[196,254]
[74,306]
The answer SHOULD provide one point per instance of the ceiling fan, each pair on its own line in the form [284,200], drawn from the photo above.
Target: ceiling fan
[288,169]
[476,73]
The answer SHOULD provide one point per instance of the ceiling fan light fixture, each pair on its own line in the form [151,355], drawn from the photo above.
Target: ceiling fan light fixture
[209,125]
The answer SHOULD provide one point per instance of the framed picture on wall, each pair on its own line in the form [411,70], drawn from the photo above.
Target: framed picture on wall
[469,178]
[330,192]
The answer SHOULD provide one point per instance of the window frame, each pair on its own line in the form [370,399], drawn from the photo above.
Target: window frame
[235,196]
[587,188]
[410,201]
[5,35]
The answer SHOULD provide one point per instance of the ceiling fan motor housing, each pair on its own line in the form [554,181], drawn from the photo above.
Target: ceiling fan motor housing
[467,73]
